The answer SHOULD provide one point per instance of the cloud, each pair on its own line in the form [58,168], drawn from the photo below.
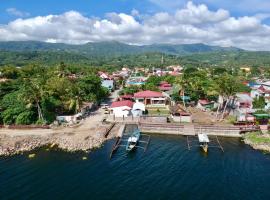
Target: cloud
[17,13]
[193,23]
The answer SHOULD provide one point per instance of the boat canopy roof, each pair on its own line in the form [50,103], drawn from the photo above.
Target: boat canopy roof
[203,137]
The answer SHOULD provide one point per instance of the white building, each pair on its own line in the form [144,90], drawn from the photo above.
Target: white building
[121,108]
[138,109]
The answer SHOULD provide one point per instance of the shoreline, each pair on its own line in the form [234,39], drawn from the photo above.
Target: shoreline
[258,141]
[87,136]
[66,141]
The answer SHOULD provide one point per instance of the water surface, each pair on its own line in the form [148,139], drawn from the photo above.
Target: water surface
[166,171]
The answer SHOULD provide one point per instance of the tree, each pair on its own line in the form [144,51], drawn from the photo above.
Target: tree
[259,103]
[32,93]
[226,86]
[182,83]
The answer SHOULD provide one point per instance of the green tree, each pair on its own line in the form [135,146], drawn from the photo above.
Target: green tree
[259,103]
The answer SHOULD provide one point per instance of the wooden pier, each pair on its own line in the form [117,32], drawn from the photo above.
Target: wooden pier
[107,132]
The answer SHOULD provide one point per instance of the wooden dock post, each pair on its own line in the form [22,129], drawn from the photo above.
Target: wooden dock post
[219,144]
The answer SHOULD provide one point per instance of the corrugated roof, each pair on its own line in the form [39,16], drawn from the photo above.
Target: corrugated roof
[148,94]
[122,104]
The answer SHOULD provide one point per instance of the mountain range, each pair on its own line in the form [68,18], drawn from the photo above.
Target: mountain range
[112,48]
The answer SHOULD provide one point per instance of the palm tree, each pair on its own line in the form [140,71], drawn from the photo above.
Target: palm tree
[182,83]
[33,92]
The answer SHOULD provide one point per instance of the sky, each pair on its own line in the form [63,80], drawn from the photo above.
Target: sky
[239,23]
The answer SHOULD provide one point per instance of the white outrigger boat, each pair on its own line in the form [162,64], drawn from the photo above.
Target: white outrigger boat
[133,140]
[203,140]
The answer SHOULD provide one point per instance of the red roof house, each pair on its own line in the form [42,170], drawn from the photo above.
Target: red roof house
[126,103]
[121,108]
[148,94]
[151,98]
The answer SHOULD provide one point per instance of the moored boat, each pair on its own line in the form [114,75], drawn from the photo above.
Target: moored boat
[203,140]
[133,140]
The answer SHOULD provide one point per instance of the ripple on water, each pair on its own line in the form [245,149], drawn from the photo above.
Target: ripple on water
[166,171]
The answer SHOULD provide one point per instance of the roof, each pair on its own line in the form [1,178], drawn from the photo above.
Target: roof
[107,84]
[242,97]
[122,104]
[164,88]
[138,106]
[127,96]
[204,102]
[148,94]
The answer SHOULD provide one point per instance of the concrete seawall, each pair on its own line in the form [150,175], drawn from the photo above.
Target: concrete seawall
[192,129]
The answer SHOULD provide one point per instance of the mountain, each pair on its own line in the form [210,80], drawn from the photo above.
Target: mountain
[112,48]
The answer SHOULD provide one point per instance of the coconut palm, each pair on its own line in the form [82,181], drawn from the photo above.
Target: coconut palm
[182,84]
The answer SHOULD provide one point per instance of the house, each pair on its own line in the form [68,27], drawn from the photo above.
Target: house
[121,108]
[164,86]
[152,98]
[243,107]
[138,109]
[260,91]
[109,84]
[204,104]
[70,119]
[179,115]
[135,81]
[126,97]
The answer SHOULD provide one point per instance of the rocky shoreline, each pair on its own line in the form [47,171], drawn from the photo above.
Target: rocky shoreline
[70,141]
[258,141]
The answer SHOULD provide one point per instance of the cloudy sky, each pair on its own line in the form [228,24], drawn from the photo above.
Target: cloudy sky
[244,24]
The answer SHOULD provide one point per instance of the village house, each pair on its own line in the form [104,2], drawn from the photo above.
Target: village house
[138,109]
[152,98]
[121,108]
[179,115]
[204,104]
[104,76]
[243,107]
[135,81]
[126,97]
[109,84]
[164,86]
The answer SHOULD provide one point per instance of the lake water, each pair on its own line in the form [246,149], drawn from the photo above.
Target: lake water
[166,171]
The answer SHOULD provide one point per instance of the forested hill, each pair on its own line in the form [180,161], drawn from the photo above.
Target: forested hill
[115,54]
[112,48]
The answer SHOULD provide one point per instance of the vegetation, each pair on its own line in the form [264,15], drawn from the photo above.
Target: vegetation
[257,138]
[35,94]
[111,55]
[259,103]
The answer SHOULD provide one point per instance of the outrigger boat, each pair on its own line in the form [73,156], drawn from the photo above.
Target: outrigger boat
[133,140]
[203,140]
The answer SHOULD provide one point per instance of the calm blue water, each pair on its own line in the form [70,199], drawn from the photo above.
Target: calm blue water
[166,171]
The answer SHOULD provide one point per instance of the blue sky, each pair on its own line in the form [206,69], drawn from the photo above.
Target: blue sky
[96,8]
[240,23]
[99,8]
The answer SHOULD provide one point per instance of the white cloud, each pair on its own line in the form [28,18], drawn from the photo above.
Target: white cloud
[17,13]
[191,24]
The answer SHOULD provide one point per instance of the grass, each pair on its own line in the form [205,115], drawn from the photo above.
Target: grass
[158,111]
[257,138]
